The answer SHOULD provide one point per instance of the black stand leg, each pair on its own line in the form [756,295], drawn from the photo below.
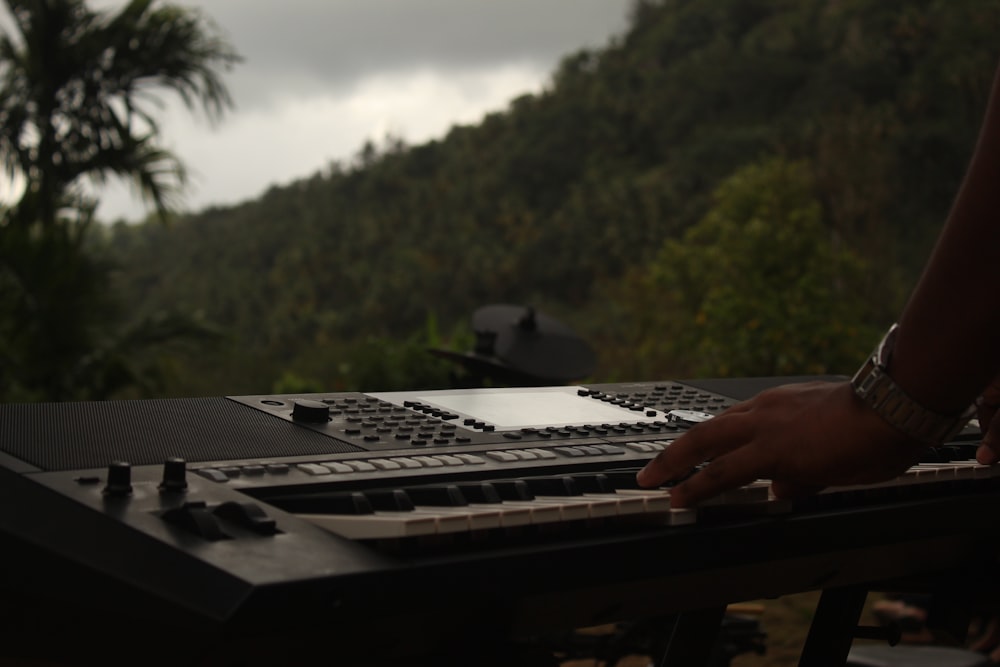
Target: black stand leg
[693,638]
[832,631]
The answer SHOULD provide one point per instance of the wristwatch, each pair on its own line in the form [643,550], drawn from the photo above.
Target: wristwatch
[876,388]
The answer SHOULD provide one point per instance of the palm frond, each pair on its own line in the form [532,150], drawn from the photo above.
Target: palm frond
[80,94]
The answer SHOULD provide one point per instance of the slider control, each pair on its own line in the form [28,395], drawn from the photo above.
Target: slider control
[195,518]
[249,515]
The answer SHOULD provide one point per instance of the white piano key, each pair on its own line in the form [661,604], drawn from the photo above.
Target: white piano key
[477,518]
[754,492]
[624,505]
[597,508]
[540,513]
[510,516]
[380,525]
[658,508]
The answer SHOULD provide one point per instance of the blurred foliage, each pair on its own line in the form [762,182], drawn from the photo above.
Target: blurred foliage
[76,87]
[759,286]
[730,187]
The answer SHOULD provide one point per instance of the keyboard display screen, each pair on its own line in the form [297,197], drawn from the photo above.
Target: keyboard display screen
[508,409]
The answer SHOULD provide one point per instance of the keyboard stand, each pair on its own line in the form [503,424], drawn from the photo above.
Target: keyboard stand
[693,637]
[833,627]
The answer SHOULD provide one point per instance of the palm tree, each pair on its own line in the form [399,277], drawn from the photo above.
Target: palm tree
[77,86]
[78,92]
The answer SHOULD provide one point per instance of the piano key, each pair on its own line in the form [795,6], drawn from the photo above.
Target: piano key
[601,486]
[754,492]
[539,514]
[658,508]
[512,489]
[479,492]
[327,503]
[515,512]
[562,485]
[389,500]
[475,517]
[511,516]
[565,491]
[573,509]
[443,495]
[483,494]
[381,525]
[448,500]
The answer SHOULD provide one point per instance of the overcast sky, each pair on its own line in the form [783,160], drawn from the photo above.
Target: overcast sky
[322,76]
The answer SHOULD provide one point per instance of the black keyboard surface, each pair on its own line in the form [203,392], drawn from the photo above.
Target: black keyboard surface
[422,514]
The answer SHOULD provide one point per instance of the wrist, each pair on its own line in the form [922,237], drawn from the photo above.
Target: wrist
[874,385]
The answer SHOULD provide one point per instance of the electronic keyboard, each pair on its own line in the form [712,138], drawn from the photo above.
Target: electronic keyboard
[265,525]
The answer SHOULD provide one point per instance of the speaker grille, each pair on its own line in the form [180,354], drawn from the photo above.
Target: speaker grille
[72,436]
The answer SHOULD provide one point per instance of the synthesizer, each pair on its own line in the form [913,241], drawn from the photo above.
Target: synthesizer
[276,522]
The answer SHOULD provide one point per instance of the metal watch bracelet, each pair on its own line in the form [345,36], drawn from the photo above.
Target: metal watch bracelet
[873,385]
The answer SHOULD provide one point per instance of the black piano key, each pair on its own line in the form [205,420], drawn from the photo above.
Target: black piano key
[480,492]
[326,503]
[962,451]
[513,489]
[447,495]
[623,478]
[934,455]
[594,482]
[389,500]
[553,486]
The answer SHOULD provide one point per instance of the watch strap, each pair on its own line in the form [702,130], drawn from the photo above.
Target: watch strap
[873,385]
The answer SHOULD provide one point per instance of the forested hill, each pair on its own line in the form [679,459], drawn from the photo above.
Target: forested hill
[730,187]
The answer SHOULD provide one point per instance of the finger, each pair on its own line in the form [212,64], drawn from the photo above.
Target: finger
[742,406]
[987,453]
[985,414]
[699,444]
[737,468]
[987,405]
[989,638]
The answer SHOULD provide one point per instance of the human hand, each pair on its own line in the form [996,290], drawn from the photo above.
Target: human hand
[803,437]
[987,406]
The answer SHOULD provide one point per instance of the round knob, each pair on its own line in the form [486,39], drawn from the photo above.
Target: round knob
[119,479]
[307,410]
[174,475]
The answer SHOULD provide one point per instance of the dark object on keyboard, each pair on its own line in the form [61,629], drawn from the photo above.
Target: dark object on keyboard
[518,345]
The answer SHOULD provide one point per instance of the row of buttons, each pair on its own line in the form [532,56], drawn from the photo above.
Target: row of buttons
[589,450]
[636,406]
[666,397]
[589,430]
[225,473]
[650,447]
[394,463]
[430,410]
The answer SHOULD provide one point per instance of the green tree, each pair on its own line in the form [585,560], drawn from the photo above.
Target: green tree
[759,286]
[76,91]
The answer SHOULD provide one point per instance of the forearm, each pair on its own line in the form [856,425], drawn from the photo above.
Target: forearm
[948,347]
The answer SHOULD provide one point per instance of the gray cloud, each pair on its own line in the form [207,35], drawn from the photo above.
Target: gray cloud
[293,45]
[322,76]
